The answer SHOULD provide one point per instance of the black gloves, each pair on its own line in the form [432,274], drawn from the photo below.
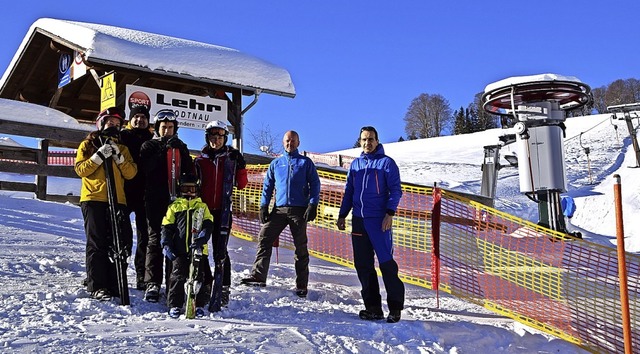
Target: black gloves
[264,214]
[238,157]
[311,212]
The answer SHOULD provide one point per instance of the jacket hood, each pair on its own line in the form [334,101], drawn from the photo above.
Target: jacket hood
[378,152]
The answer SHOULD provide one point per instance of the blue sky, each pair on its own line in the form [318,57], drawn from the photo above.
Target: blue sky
[357,63]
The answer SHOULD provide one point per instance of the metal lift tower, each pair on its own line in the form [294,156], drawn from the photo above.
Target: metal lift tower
[535,107]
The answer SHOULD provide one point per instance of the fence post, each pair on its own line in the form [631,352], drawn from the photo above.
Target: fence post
[41,159]
[622,266]
[340,160]
[435,242]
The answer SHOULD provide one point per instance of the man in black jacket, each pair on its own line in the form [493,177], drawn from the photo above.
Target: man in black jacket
[163,159]
[133,136]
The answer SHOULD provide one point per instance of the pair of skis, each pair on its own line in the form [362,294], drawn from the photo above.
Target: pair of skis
[118,253]
[220,246]
[193,285]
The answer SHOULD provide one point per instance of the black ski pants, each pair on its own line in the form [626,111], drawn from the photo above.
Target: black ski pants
[101,272]
[364,262]
[279,218]
[142,237]
[219,248]
[155,211]
[179,274]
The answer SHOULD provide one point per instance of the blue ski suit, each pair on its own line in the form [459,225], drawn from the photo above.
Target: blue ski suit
[373,190]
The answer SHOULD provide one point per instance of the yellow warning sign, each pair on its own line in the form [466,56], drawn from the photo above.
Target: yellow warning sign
[108,92]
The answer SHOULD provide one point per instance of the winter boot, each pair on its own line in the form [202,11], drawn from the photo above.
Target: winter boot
[371,315]
[253,281]
[175,312]
[302,292]
[101,295]
[199,312]
[153,293]
[394,316]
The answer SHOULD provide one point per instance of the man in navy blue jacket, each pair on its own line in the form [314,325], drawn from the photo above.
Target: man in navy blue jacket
[297,185]
[373,191]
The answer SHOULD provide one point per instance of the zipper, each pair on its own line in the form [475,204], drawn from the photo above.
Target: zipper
[364,186]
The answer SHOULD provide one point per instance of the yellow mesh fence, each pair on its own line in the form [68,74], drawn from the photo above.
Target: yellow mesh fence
[563,286]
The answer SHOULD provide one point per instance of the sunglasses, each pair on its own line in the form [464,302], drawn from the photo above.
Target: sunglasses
[165,114]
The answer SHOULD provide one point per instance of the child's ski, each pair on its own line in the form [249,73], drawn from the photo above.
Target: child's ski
[193,285]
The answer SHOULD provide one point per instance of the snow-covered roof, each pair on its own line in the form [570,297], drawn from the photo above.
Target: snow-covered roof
[515,80]
[125,47]
[39,115]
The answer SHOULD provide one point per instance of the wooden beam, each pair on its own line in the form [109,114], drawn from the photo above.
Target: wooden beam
[33,169]
[18,153]
[44,132]
[17,186]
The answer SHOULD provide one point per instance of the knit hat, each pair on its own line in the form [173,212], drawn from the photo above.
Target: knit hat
[139,110]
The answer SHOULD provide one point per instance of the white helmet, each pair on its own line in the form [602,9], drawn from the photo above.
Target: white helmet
[216,124]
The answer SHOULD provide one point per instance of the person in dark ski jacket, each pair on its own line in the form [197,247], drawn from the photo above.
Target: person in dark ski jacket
[219,163]
[94,201]
[297,187]
[373,192]
[133,136]
[187,225]
[159,173]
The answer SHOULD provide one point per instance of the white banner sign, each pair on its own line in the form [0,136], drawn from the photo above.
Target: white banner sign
[193,112]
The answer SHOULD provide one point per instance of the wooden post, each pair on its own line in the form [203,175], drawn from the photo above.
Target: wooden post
[622,266]
[41,160]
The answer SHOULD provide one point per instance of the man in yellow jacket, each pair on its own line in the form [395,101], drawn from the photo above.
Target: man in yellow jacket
[92,153]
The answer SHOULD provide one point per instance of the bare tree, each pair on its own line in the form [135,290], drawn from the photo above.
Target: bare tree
[265,141]
[598,95]
[428,116]
[620,92]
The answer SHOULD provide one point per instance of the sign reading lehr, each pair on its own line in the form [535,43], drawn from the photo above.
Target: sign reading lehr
[193,112]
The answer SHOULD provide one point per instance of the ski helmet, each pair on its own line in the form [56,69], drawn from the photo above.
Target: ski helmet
[165,115]
[189,186]
[109,112]
[216,124]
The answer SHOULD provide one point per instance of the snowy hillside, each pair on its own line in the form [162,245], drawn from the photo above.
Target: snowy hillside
[46,310]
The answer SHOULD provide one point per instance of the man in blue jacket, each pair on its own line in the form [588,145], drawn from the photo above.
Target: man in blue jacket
[373,191]
[295,180]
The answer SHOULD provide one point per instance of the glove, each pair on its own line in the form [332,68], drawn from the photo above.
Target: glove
[311,212]
[264,214]
[102,154]
[200,240]
[117,156]
[167,252]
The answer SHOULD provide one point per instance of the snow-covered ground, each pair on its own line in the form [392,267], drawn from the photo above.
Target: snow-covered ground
[45,308]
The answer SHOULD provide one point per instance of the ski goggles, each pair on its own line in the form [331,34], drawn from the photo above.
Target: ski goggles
[112,112]
[166,114]
[213,135]
[189,189]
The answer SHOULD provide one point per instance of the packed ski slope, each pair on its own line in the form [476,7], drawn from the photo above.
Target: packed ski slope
[46,310]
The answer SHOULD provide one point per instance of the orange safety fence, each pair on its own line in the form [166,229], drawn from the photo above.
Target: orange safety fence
[563,286]
[550,281]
